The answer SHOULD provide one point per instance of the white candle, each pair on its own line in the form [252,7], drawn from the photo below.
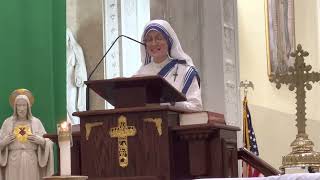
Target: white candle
[65,158]
[64,136]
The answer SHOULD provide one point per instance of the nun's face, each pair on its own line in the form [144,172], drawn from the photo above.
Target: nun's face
[156,46]
[22,108]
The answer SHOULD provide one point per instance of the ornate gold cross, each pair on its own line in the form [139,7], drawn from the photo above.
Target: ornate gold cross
[122,132]
[298,78]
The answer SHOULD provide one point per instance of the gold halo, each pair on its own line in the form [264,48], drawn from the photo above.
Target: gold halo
[18,92]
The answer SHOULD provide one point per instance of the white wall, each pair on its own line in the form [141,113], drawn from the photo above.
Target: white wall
[307,34]
[273,111]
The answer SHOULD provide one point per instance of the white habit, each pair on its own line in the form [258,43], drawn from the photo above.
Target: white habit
[182,74]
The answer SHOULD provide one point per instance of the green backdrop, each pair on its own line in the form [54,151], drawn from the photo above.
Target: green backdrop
[32,56]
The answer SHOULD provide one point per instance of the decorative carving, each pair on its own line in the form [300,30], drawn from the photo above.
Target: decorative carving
[89,127]
[229,40]
[231,74]
[230,84]
[157,122]
[112,5]
[229,65]
[228,12]
[298,78]
[122,132]
[113,63]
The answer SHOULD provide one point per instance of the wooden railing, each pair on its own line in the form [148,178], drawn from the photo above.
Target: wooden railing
[256,162]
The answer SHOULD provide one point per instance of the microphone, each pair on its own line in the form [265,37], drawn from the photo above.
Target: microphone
[87,90]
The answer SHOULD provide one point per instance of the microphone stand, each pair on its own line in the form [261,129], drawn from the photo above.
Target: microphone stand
[87,90]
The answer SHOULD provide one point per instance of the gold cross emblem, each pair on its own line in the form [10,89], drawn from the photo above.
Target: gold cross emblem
[122,132]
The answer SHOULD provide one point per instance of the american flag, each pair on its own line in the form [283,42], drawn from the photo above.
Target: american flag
[250,141]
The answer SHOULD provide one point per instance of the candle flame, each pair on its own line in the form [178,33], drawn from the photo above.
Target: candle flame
[64,126]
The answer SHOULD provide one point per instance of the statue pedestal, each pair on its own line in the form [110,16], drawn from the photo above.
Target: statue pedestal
[66,178]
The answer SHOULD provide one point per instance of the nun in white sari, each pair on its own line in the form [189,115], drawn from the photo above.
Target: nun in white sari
[24,153]
[164,56]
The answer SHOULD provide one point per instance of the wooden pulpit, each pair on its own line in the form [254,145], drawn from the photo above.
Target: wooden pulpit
[132,140]
[136,91]
[141,139]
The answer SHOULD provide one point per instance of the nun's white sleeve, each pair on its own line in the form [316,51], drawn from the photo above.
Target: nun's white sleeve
[193,96]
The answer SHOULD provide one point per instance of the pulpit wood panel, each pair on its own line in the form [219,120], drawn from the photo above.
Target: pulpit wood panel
[214,144]
[149,154]
[182,152]
[136,91]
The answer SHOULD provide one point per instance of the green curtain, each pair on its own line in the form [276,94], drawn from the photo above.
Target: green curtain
[32,56]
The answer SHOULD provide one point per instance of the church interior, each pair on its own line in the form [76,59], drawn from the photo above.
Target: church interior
[231,42]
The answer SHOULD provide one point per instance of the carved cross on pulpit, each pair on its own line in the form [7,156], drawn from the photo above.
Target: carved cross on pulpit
[299,77]
[122,132]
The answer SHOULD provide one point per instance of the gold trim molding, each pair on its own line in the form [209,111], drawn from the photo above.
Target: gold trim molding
[89,127]
[157,122]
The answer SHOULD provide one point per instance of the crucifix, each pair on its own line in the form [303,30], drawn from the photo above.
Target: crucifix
[122,132]
[299,78]
[176,73]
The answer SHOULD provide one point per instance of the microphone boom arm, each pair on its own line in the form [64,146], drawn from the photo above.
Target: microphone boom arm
[108,52]
[89,77]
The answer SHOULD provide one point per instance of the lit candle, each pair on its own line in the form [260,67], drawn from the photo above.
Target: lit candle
[64,138]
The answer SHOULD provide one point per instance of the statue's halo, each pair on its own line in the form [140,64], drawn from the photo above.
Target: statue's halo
[17,92]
